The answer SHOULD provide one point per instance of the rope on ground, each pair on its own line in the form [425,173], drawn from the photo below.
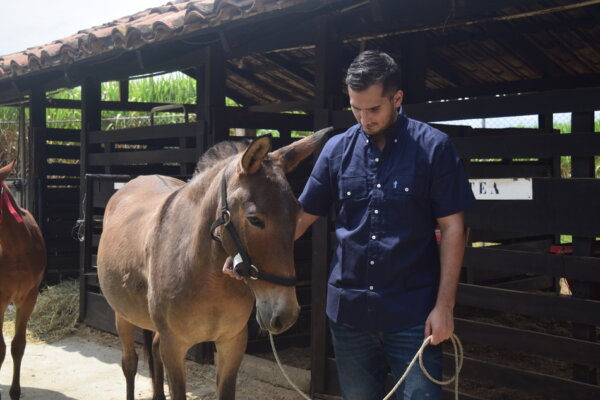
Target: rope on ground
[458,362]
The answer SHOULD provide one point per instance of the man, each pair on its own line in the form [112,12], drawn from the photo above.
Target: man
[391,180]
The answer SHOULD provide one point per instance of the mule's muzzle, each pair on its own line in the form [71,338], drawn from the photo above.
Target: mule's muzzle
[278,320]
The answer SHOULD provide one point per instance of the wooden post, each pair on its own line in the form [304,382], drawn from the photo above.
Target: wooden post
[37,151]
[583,167]
[328,97]
[210,89]
[91,115]
[211,94]
[413,66]
[23,158]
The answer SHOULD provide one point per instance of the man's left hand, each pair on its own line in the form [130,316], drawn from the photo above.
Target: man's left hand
[439,324]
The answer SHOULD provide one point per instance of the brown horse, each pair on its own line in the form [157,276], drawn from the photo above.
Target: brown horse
[159,269]
[22,263]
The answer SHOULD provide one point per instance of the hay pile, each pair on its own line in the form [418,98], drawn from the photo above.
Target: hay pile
[54,316]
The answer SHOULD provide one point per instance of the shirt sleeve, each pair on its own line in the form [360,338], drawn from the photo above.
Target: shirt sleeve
[450,189]
[316,198]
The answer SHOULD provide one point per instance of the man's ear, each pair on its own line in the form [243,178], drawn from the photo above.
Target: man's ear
[398,97]
[254,154]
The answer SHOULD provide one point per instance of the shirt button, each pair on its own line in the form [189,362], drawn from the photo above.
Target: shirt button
[377,159]
[378,185]
[376,211]
[374,237]
[372,262]
[406,189]
[348,193]
[370,287]
[395,140]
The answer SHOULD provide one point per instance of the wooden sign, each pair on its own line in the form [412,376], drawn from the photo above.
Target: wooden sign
[502,188]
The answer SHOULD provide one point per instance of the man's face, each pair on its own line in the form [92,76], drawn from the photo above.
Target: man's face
[374,110]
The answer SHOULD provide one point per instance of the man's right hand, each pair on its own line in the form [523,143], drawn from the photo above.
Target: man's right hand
[228,269]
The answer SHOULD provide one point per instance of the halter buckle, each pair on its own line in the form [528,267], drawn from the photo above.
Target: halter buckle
[226,216]
[253,272]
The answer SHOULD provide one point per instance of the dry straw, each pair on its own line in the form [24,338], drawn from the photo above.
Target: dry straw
[54,316]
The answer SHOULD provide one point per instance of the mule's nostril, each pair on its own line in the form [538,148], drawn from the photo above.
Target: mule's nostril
[276,323]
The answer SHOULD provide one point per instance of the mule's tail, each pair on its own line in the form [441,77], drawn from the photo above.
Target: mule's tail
[148,338]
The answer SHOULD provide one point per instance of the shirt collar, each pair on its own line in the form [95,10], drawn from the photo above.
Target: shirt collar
[395,133]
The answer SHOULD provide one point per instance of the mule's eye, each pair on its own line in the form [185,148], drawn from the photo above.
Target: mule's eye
[256,222]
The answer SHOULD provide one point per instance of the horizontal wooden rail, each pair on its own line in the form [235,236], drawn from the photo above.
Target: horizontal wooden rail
[143,157]
[560,308]
[524,262]
[559,206]
[518,340]
[146,133]
[550,387]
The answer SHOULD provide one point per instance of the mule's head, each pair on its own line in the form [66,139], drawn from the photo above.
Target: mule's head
[6,170]
[264,211]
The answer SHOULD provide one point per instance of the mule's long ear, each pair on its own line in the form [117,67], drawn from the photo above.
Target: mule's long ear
[255,153]
[291,155]
[6,170]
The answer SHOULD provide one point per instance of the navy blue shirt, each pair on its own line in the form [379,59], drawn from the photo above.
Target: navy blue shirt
[385,271]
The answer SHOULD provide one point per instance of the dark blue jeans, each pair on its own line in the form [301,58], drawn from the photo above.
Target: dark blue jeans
[361,359]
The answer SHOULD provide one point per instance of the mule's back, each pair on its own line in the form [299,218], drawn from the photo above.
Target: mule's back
[129,217]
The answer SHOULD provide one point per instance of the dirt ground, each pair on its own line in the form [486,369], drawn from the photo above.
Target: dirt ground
[86,366]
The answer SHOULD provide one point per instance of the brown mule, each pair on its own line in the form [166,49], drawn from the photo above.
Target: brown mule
[22,263]
[159,269]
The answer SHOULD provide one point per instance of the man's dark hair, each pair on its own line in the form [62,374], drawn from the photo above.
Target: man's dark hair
[371,67]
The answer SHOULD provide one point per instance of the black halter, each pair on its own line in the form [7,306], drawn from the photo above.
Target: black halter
[245,268]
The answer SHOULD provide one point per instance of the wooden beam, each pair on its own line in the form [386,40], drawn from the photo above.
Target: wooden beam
[554,101]
[413,68]
[328,91]
[525,341]
[37,149]
[583,245]
[520,47]
[300,105]
[261,85]
[495,258]
[91,120]
[522,86]
[277,59]
[545,213]
[530,304]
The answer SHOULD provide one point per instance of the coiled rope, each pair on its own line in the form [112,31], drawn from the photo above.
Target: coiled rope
[458,362]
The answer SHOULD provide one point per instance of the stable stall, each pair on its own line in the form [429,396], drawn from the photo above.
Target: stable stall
[283,61]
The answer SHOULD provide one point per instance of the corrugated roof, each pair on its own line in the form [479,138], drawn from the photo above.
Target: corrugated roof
[131,32]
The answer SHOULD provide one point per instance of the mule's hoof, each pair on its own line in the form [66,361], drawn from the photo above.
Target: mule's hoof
[15,394]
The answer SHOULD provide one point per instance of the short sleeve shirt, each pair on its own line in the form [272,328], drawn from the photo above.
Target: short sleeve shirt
[385,270]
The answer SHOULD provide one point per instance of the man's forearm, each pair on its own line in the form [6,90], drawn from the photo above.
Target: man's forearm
[452,249]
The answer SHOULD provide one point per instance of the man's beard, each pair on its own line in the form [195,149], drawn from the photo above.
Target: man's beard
[382,131]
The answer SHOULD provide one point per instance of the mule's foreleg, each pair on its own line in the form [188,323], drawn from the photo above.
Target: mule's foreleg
[129,357]
[17,348]
[230,352]
[158,375]
[172,353]
[2,343]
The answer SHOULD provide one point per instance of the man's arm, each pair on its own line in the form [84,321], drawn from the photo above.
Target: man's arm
[440,322]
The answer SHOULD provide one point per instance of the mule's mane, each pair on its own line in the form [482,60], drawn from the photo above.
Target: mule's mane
[219,152]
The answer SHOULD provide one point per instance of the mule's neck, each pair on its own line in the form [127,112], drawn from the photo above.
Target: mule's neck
[11,223]
[203,195]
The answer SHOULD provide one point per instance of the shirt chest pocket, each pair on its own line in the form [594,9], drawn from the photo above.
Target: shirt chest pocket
[352,188]
[400,186]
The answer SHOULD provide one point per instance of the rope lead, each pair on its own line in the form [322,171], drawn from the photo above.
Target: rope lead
[458,362]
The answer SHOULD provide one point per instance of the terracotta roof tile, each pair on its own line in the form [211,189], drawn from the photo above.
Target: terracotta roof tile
[133,31]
